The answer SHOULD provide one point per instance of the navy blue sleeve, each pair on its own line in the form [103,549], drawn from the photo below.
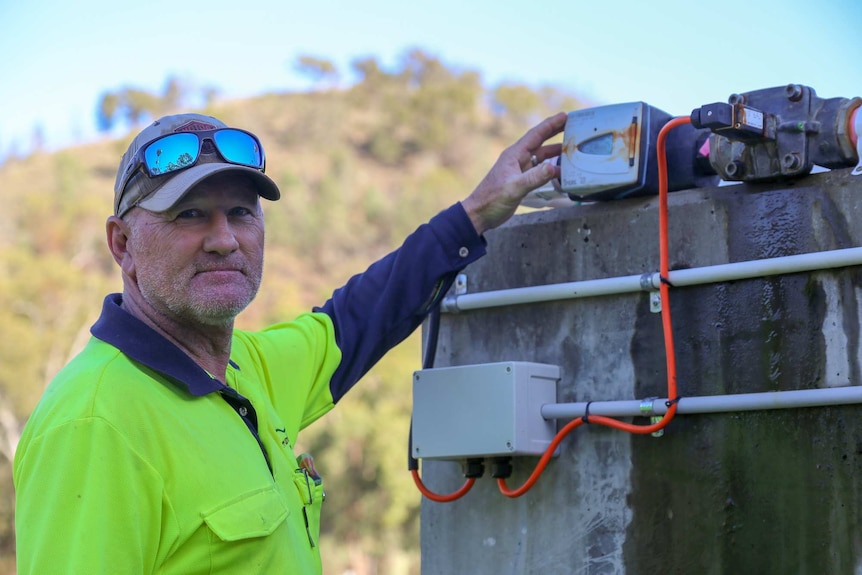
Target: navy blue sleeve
[376,310]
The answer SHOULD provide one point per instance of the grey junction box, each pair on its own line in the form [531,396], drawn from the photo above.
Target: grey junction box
[484,410]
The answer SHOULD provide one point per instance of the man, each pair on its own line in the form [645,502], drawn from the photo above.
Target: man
[166,445]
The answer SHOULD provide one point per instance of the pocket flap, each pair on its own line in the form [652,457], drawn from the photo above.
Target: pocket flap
[254,514]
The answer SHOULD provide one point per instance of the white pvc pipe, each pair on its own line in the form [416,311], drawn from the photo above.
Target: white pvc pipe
[651,281]
[710,403]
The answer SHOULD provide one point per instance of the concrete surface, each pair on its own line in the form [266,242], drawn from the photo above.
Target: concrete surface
[733,493]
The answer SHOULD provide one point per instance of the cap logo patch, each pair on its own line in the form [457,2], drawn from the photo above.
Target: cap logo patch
[194,126]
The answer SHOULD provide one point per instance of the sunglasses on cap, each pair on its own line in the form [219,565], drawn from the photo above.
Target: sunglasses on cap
[181,150]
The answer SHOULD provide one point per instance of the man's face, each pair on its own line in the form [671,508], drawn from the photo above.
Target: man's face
[201,261]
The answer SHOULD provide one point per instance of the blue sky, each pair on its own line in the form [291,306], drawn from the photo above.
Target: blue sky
[58,56]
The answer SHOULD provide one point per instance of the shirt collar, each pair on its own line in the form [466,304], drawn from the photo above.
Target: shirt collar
[144,345]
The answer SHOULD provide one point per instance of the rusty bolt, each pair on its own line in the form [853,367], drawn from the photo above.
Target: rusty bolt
[794,92]
[790,161]
[735,168]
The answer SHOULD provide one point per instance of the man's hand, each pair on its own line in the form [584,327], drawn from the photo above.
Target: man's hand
[500,192]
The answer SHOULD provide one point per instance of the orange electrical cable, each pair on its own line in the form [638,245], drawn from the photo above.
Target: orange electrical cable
[468,485]
[670,354]
[543,461]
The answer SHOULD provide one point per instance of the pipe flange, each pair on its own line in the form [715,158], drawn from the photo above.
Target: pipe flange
[646,406]
[646,281]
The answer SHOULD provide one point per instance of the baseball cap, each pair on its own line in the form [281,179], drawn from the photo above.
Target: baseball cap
[134,187]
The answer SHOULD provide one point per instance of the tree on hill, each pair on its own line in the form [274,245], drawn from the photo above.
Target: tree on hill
[321,72]
[133,105]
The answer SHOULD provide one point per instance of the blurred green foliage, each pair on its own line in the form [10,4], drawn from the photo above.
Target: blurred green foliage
[359,169]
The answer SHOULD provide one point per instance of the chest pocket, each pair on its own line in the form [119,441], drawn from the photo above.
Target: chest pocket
[255,514]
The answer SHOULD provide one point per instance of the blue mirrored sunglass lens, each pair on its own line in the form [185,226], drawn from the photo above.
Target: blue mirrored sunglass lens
[172,153]
[239,148]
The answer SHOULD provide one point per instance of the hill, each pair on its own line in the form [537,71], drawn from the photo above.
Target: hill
[359,168]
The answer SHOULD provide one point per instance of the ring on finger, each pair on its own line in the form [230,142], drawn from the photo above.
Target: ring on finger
[534,160]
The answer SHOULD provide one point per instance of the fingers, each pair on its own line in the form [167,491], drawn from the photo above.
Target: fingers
[547,152]
[515,174]
[536,136]
[532,143]
[539,172]
[535,177]
[536,171]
